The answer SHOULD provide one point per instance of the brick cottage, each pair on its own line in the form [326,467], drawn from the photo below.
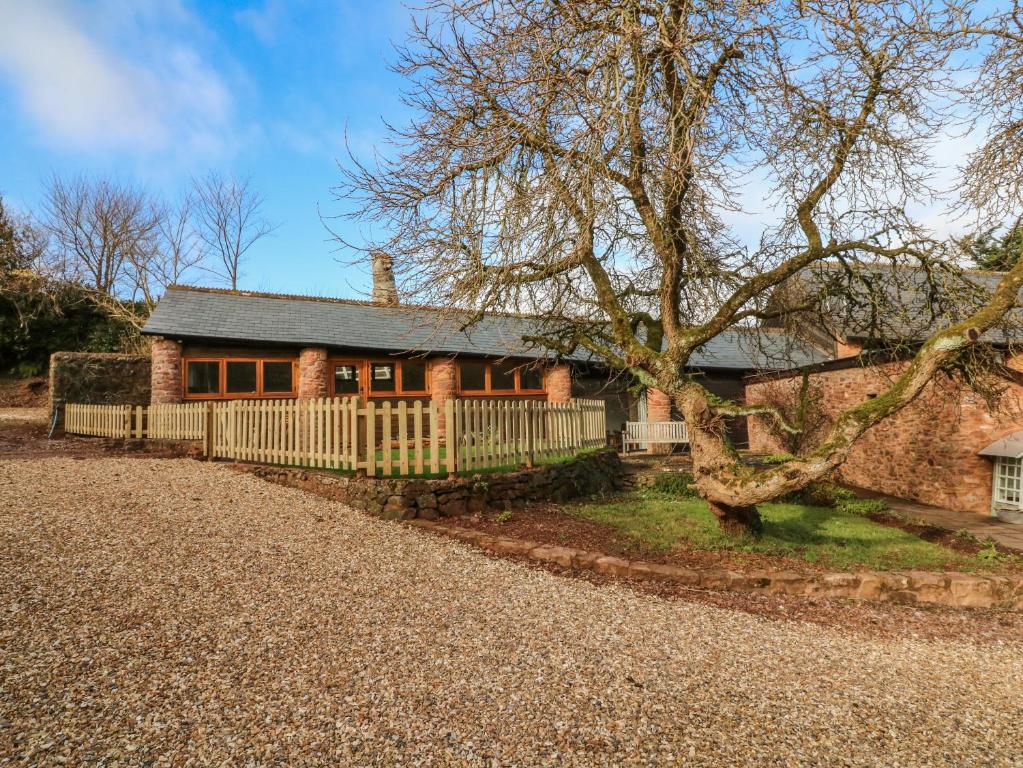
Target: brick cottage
[947,448]
[212,344]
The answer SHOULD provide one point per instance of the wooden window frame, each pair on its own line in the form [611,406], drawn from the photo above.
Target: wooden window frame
[366,385]
[223,394]
[488,366]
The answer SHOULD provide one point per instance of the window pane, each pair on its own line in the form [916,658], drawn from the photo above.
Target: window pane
[277,377]
[472,376]
[204,378]
[346,379]
[413,377]
[502,376]
[241,377]
[381,377]
[531,378]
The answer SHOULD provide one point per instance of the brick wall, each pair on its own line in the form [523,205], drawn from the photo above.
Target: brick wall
[559,384]
[312,373]
[927,452]
[166,376]
[658,408]
[444,386]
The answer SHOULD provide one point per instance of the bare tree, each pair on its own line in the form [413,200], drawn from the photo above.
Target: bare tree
[229,220]
[582,160]
[98,229]
[176,253]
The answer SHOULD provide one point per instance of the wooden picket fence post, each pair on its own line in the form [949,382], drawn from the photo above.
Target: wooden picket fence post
[371,438]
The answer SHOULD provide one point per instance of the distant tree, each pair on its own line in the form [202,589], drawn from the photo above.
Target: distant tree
[98,228]
[22,243]
[995,253]
[229,221]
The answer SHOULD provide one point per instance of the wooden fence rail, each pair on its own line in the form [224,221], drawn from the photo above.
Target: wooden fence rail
[381,439]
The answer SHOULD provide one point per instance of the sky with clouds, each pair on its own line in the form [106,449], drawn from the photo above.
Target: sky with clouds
[156,91]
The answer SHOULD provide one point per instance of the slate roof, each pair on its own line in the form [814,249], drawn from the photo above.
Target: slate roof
[912,309]
[235,316]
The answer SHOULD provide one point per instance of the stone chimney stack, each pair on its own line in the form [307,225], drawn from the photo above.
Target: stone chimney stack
[384,289]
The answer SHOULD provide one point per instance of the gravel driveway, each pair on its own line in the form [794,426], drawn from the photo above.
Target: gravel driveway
[171,612]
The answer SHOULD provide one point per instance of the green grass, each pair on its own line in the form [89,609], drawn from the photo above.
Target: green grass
[830,538]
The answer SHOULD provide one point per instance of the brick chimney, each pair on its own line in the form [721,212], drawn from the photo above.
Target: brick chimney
[384,289]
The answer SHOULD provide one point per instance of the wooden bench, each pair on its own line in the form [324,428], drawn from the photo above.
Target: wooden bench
[644,433]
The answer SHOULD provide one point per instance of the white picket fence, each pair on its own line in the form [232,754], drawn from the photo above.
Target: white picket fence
[387,439]
[644,433]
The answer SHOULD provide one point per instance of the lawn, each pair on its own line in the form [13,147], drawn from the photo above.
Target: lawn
[830,538]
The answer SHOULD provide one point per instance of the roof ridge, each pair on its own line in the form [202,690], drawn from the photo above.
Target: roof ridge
[336,300]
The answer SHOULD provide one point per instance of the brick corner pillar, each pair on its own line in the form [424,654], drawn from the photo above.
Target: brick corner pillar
[165,382]
[443,387]
[658,408]
[559,384]
[312,373]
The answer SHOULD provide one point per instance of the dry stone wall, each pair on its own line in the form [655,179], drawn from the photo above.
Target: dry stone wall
[406,499]
[99,378]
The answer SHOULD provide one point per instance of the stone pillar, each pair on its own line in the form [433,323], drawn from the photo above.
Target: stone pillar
[167,385]
[443,387]
[658,408]
[559,384]
[312,373]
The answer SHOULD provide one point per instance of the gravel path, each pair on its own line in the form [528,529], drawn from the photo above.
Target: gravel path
[171,612]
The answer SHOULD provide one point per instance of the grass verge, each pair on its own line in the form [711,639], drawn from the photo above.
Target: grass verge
[833,538]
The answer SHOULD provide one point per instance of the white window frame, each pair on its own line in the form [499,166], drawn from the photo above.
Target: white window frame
[1007,484]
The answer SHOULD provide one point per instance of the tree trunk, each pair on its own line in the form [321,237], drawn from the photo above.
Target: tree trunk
[738,520]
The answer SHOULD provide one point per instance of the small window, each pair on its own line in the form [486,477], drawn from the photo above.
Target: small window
[531,378]
[472,377]
[346,379]
[1008,485]
[277,377]
[381,379]
[502,377]
[413,377]
[203,378]
[241,377]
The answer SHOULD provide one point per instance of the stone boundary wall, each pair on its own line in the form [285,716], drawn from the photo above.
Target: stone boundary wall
[958,590]
[99,378]
[410,498]
[927,452]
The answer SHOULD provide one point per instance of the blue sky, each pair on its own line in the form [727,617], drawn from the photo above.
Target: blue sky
[154,91]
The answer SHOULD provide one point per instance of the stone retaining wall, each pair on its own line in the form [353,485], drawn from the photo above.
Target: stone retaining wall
[960,590]
[406,499]
[99,378]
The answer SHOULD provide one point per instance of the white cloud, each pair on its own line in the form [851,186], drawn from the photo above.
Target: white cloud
[114,77]
[263,21]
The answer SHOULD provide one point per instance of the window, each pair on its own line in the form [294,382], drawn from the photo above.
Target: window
[381,380]
[472,377]
[241,377]
[413,377]
[502,377]
[277,377]
[228,377]
[203,377]
[1008,473]
[530,378]
[346,379]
